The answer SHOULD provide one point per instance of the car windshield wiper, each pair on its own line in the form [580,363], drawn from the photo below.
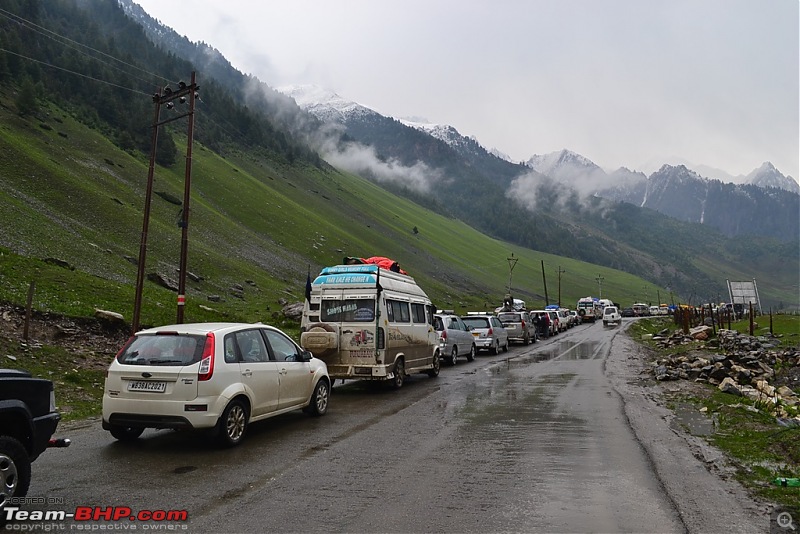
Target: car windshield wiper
[164,362]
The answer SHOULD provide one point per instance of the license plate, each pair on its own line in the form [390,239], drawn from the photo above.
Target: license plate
[476,334]
[147,385]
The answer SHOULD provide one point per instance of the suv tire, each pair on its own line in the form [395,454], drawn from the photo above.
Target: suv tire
[472,352]
[15,470]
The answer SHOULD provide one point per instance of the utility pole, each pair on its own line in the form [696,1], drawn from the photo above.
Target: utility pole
[512,262]
[560,272]
[600,286]
[187,187]
[544,282]
[166,97]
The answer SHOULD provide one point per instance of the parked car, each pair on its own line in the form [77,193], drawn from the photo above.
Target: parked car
[563,320]
[611,315]
[455,338]
[518,325]
[220,376]
[28,419]
[487,331]
[574,318]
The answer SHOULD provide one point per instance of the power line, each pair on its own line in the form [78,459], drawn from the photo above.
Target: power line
[52,35]
[75,73]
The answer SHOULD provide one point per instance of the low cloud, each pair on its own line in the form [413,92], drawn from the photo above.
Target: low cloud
[363,160]
[536,191]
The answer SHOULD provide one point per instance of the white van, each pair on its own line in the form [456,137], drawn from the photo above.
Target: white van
[370,323]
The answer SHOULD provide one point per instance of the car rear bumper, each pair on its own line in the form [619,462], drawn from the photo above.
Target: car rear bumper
[44,427]
[202,412]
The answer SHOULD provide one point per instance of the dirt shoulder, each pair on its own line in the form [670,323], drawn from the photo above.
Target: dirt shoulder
[696,476]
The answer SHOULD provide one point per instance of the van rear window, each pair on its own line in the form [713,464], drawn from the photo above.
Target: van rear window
[508,318]
[348,311]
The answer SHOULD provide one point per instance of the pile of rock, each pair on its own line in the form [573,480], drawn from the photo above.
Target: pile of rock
[746,367]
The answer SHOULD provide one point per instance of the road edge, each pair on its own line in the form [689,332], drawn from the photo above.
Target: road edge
[691,471]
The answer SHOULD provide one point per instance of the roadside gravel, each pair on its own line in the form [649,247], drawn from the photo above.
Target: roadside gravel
[694,474]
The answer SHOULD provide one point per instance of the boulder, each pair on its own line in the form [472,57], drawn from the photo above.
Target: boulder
[293,311]
[729,385]
[109,316]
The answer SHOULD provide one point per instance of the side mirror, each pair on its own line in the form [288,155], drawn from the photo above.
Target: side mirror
[306,356]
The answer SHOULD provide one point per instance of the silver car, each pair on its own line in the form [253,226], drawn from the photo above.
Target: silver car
[487,331]
[455,338]
[518,325]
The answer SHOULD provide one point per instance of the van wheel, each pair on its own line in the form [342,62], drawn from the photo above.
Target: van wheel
[232,424]
[495,348]
[433,373]
[454,355]
[472,352]
[399,374]
[126,433]
[15,470]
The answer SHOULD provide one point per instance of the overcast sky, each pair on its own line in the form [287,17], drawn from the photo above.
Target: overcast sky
[632,83]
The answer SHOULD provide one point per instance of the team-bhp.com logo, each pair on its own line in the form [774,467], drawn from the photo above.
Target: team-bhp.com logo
[86,516]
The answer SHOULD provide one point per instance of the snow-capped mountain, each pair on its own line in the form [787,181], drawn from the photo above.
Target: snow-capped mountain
[733,209]
[768,176]
[325,104]
[674,190]
[562,162]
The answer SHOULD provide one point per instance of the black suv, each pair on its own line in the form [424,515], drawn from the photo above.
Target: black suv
[28,419]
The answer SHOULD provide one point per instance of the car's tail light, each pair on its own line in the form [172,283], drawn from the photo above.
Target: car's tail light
[125,346]
[207,362]
[444,335]
[490,332]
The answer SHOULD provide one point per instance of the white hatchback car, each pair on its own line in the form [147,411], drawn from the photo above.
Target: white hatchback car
[611,315]
[219,376]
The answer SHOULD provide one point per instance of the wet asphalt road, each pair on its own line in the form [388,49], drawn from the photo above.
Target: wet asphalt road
[553,437]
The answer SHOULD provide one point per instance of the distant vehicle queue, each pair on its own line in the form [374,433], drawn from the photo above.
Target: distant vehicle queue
[368,319]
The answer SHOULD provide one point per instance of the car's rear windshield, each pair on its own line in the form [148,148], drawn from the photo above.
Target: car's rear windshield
[477,322]
[509,317]
[163,349]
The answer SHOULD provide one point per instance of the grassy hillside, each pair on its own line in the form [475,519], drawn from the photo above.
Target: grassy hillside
[256,225]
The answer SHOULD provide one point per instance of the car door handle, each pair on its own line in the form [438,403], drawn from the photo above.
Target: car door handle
[283,371]
[247,372]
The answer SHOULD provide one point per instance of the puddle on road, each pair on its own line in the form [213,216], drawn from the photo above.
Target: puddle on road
[563,350]
[688,417]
